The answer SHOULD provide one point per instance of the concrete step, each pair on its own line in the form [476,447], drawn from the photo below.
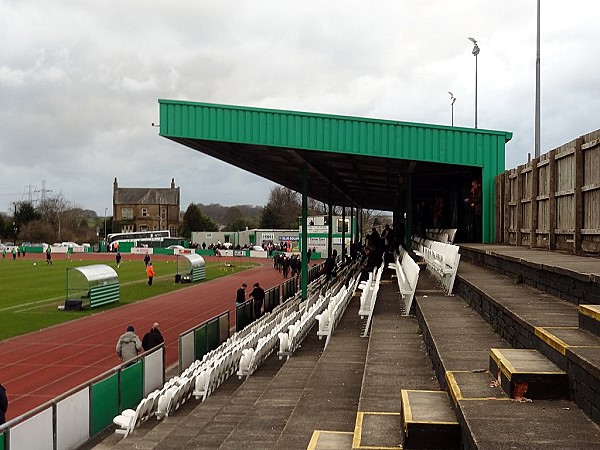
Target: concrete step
[456,338]
[428,420]
[395,360]
[473,385]
[528,318]
[528,374]
[589,318]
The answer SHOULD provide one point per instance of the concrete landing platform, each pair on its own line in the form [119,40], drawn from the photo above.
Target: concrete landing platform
[589,318]
[330,440]
[527,372]
[429,420]
[473,385]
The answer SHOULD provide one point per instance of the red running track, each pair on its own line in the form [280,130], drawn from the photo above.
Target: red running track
[38,366]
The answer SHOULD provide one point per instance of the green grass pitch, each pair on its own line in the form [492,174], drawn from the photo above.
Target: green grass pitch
[31,290]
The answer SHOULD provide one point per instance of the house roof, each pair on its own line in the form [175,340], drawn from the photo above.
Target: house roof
[147,196]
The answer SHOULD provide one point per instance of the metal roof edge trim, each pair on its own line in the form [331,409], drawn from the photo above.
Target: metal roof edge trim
[507,134]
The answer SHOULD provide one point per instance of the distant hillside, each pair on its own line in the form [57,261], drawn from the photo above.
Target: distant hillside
[223,214]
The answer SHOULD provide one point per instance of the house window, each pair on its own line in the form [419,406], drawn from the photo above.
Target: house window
[345,223]
[144,228]
[163,213]
[127,229]
[173,230]
[127,213]
[144,212]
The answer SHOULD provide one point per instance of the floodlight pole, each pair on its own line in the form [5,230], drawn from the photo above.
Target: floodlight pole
[105,240]
[475,52]
[304,243]
[537,87]
[452,100]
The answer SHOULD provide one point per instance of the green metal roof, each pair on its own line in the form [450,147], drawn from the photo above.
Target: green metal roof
[349,158]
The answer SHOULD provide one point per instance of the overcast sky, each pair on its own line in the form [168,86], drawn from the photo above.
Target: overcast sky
[80,80]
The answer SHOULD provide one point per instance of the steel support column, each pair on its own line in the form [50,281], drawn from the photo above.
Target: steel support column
[304,243]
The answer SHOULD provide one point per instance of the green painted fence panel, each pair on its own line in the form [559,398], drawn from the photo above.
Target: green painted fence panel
[201,347]
[105,403]
[212,334]
[2,441]
[243,315]
[132,385]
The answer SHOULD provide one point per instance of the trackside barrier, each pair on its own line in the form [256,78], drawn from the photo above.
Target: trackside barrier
[243,315]
[271,299]
[289,289]
[72,418]
[315,271]
[201,339]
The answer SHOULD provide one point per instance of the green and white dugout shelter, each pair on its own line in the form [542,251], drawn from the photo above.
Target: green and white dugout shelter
[190,267]
[355,162]
[93,286]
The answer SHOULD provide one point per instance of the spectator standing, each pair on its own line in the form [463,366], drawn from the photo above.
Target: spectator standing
[240,296]
[152,338]
[473,202]
[258,295]
[150,273]
[49,255]
[3,404]
[128,345]
[118,259]
[147,259]
[329,267]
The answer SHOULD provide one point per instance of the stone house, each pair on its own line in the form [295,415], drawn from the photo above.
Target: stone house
[146,209]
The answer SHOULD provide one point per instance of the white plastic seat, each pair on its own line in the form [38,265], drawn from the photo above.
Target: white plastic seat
[129,419]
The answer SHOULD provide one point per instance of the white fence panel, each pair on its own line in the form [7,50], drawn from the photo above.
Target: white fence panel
[73,420]
[153,371]
[35,433]
[187,352]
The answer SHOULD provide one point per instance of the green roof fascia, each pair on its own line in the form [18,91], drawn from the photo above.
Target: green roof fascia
[333,133]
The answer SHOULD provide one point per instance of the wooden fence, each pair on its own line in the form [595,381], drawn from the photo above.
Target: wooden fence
[553,201]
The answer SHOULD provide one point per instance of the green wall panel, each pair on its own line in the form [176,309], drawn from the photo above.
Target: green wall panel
[212,334]
[201,346]
[2,441]
[105,403]
[132,385]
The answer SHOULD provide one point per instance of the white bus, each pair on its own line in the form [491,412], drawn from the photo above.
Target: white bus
[137,237]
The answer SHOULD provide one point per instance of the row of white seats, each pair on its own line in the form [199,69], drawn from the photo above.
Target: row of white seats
[313,307]
[419,245]
[442,262]
[369,290]
[201,378]
[445,235]
[253,356]
[407,275]
[289,341]
[368,298]
[330,317]
[159,403]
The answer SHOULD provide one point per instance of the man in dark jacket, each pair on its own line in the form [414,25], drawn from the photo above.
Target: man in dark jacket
[3,404]
[240,296]
[258,294]
[152,338]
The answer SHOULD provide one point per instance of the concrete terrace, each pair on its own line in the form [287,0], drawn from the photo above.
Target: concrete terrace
[349,395]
